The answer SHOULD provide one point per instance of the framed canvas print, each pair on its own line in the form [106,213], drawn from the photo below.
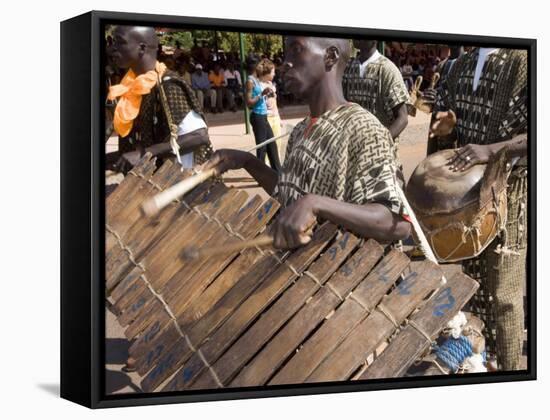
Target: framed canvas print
[274,209]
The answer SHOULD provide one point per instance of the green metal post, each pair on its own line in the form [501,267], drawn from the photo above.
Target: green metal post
[244,78]
[381,47]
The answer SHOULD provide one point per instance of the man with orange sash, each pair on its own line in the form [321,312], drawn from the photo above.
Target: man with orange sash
[156,110]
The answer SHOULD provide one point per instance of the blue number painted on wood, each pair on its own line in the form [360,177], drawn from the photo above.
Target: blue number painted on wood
[153,354]
[348,268]
[268,206]
[247,206]
[138,304]
[444,301]
[132,287]
[383,271]
[162,366]
[152,332]
[343,242]
[265,209]
[404,288]
[187,374]
[124,283]
[183,376]
[130,280]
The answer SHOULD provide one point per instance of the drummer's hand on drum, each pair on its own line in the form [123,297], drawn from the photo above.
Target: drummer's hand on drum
[470,155]
[292,228]
[226,159]
[444,123]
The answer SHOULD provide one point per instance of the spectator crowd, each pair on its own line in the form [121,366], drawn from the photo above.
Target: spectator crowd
[216,76]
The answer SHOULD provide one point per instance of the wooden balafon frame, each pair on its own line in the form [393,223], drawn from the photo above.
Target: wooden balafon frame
[336,309]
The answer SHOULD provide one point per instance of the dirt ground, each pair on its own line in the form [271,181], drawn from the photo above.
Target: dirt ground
[227,130]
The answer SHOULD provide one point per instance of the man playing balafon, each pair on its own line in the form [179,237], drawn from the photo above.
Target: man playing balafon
[339,163]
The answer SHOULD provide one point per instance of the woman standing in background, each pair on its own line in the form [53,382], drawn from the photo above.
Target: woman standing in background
[256,99]
[266,73]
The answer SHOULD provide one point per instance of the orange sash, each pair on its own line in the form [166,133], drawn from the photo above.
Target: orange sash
[129,94]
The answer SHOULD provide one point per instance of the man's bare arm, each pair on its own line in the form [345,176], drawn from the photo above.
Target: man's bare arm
[371,220]
[401,119]
[226,159]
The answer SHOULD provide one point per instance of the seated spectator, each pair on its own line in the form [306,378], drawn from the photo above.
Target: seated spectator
[201,85]
[217,82]
[407,72]
[233,85]
[421,65]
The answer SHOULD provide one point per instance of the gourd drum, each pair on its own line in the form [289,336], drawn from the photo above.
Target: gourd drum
[460,212]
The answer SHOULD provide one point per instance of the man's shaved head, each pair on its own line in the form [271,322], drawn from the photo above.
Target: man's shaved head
[135,47]
[140,34]
[311,60]
[343,46]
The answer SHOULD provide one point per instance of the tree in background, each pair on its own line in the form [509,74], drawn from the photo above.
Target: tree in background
[226,41]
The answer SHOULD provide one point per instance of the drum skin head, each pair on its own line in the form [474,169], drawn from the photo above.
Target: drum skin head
[434,188]
[459,212]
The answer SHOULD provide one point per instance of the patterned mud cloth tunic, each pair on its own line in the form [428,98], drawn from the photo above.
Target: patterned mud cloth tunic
[443,69]
[345,154]
[151,127]
[379,90]
[497,109]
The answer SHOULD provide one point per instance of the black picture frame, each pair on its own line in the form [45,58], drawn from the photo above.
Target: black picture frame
[83,213]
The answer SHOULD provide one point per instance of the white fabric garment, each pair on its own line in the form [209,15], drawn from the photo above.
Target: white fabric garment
[407,69]
[371,59]
[192,122]
[231,75]
[483,53]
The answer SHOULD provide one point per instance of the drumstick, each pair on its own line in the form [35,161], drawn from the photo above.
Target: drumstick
[424,245]
[192,252]
[161,200]
[268,141]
